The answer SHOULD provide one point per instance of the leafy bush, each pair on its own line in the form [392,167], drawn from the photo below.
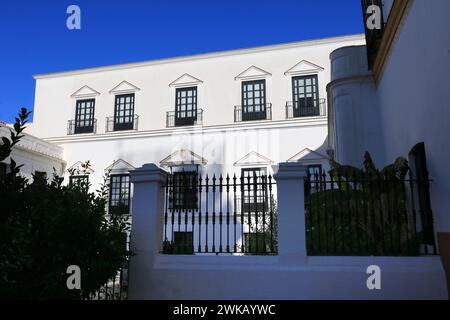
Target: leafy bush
[361,212]
[46,227]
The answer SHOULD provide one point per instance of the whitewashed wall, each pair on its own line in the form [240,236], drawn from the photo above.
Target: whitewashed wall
[414,97]
[409,105]
[35,155]
[290,275]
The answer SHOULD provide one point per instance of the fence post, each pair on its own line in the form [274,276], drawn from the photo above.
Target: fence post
[291,213]
[147,226]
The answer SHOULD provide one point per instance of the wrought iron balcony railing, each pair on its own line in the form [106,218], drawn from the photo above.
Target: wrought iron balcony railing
[79,127]
[253,112]
[122,123]
[184,118]
[300,109]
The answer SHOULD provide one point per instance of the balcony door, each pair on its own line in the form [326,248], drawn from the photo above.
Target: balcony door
[305,91]
[254,100]
[84,116]
[124,112]
[185,106]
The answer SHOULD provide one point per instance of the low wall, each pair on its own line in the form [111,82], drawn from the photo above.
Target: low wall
[289,275]
[263,278]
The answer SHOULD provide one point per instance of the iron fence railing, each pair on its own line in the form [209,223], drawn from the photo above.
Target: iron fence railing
[368,215]
[253,112]
[190,118]
[86,126]
[122,123]
[115,288]
[315,108]
[220,215]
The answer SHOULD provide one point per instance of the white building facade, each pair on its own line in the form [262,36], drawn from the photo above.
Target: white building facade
[214,113]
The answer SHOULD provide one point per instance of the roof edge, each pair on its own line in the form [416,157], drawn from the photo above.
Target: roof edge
[114,67]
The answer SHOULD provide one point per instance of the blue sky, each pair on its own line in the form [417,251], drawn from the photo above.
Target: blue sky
[34,37]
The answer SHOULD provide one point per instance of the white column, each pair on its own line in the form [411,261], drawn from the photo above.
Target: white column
[147,226]
[291,213]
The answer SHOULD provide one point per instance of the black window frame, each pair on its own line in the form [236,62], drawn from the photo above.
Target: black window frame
[184,195]
[305,106]
[186,113]
[251,191]
[183,242]
[260,243]
[73,180]
[124,121]
[85,125]
[315,185]
[113,201]
[249,111]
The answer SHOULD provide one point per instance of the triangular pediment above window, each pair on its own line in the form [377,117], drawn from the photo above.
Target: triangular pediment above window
[85,92]
[119,166]
[252,73]
[124,87]
[307,155]
[78,169]
[253,158]
[304,67]
[183,157]
[185,80]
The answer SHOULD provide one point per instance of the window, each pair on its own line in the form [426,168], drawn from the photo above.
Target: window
[183,242]
[185,106]
[254,192]
[254,100]
[419,169]
[119,191]
[305,96]
[124,112]
[184,192]
[256,242]
[80,180]
[40,176]
[84,116]
[315,178]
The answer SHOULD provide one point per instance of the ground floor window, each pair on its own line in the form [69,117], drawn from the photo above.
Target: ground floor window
[254,190]
[184,191]
[119,192]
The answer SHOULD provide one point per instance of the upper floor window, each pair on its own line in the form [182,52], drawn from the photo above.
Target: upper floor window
[305,96]
[185,106]
[254,100]
[84,116]
[119,191]
[124,112]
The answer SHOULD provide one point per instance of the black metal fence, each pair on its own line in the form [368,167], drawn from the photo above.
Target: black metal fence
[89,126]
[220,215]
[253,112]
[368,215]
[122,123]
[300,109]
[188,118]
[115,288]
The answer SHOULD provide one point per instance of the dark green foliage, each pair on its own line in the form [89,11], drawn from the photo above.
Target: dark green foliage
[46,227]
[363,212]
